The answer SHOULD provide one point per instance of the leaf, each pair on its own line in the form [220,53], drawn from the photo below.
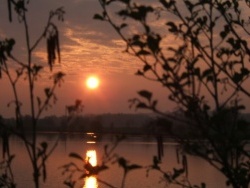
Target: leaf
[44,145]
[203,185]
[53,47]
[177,173]
[37,69]
[75,155]
[206,107]
[154,104]
[134,166]
[237,77]
[143,52]
[166,67]
[98,17]
[185,164]
[245,71]
[141,105]
[146,94]
[226,31]
[11,158]
[44,171]
[146,67]
[47,92]
[189,5]
[184,75]
[122,162]
[197,72]
[139,73]
[57,44]
[173,28]
[167,4]
[206,73]
[58,77]
[10,10]
[123,25]
[156,162]
[153,43]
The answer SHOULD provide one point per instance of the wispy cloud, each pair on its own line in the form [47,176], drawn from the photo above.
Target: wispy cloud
[85,51]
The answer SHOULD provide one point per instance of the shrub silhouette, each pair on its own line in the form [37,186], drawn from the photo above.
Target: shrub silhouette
[199,51]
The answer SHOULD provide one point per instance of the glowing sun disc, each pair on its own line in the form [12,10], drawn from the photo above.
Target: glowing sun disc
[92,82]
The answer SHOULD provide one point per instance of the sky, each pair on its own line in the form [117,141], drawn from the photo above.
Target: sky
[88,47]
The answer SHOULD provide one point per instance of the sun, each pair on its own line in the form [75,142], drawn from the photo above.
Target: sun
[92,82]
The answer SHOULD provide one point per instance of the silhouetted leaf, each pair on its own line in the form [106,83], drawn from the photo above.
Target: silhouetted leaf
[123,25]
[244,71]
[226,31]
[166,67]
[70,184]
[141,105]
[185,164]
[153,42]
[10,10]
[206,73]
[38,101]
[173,28]
[134,166]
[44,145]
[206,107]
[11,158]
[177,173]
[203,185]
[237,77]
[53,48]
[122,162]
[146,67]
[154,104]
[146,94]
[98,17]
[139,73]
[189,5]
[58,77]
[168,4]
[75,155]
[44,171]
[9,45]
[47,92]
[184,75]
[143,52]
[197,72]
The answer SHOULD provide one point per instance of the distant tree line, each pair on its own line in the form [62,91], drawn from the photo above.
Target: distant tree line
[115,123]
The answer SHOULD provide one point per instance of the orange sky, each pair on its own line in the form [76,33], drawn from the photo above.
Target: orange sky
[87,47]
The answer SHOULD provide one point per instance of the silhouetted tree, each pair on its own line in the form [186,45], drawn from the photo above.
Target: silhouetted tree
[199,51]
[15,69]
[74,109]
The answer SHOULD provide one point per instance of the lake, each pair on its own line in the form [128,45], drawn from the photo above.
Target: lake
[137,149]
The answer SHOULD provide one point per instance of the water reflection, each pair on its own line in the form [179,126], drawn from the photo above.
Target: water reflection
[91,182]
[91,157]
[91,138]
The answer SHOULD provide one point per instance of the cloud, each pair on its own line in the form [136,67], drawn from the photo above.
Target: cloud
[87,45]
[85,51]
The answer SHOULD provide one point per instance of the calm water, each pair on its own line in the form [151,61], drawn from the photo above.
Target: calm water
[136,149]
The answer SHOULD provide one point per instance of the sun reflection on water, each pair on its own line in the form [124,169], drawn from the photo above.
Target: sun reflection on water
[91,182]
[91,138]
[91,157]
